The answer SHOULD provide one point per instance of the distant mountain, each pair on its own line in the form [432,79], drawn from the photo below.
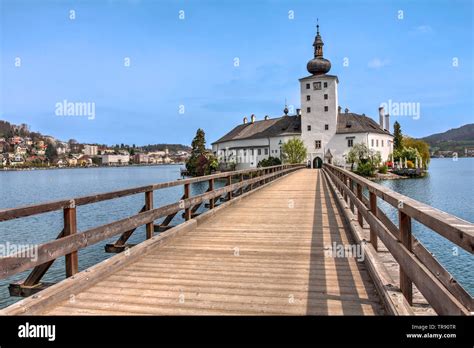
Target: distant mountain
[457,139]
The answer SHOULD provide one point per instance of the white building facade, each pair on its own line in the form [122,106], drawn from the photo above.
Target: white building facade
[327,132]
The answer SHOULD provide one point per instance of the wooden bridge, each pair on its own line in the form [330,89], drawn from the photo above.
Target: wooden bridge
[281,240]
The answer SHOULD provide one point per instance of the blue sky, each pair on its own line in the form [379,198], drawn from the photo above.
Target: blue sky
[190,62]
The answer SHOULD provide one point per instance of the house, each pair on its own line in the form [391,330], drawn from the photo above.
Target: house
[20,150]
[72,161]
[84,161]
[327,133]
[141,158]
[15,140]
[114,160]
[91,150]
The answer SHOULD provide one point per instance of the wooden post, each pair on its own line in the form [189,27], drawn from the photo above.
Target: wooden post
[211,188]
[373,209]
[404,224]
[70,228]
[187,194]
[359,214]
[351,187]
[344,186]
[229,182]
[241,180]
[149,206]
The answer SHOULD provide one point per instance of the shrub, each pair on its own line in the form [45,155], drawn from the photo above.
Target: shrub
[383,169]
[268,162]
[365,169]
[410,164]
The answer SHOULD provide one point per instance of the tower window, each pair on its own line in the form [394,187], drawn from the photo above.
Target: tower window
[308,86]
[325,85]
[308,109]
[372,142]
[326,127]
[350,142]
[382,142]
[326,108]
[377,143]
[316,85]
[326,96]
[308,97]
[309,127]
[317,144]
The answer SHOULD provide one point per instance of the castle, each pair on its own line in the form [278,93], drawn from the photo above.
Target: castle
[327,132]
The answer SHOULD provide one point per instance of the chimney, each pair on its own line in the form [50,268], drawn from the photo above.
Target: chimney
[381,113]
[266,117]
[387,122]
[245,120]
[252,118]
[298,112]
[339,108]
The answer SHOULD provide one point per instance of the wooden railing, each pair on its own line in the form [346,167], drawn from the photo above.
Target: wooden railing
[417,265]
[69,241]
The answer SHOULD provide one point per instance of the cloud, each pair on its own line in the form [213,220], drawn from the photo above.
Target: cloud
[423,29]
[378,63]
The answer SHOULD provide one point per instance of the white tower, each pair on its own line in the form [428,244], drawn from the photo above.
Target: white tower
[319,105]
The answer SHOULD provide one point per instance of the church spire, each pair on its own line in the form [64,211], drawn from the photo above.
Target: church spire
[318,43]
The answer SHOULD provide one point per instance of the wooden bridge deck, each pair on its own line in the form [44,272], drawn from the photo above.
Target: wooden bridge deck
[264,255]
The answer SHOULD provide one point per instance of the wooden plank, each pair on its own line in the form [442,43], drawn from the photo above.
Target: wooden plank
[86,278]
[15,213]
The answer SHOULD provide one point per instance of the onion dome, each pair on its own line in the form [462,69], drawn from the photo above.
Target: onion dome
[318,65]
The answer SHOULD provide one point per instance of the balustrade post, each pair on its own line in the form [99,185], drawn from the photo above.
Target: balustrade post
[373,209]
[229,182]
[351,187]
[211,188]
[70,228]
[149,206]
[187,194]
[404,225]
[359,197]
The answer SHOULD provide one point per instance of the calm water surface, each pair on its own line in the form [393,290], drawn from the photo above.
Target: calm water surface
[448,187]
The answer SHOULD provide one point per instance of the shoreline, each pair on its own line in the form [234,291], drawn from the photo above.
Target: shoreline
[9,169]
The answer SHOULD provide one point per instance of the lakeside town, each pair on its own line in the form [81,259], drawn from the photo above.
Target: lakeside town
[21,149]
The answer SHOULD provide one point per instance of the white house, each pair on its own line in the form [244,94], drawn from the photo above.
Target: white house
[113,160]
[327,132]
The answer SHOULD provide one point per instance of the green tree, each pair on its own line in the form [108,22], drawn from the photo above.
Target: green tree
[397,136]
[293,151]
[366,160]
[422,147]
[201,162]
[51,152]
[199,143]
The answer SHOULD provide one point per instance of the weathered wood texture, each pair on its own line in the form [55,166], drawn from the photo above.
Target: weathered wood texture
[418,269]
[266,254]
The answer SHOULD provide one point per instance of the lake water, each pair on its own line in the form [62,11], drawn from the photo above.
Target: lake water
[448,187]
